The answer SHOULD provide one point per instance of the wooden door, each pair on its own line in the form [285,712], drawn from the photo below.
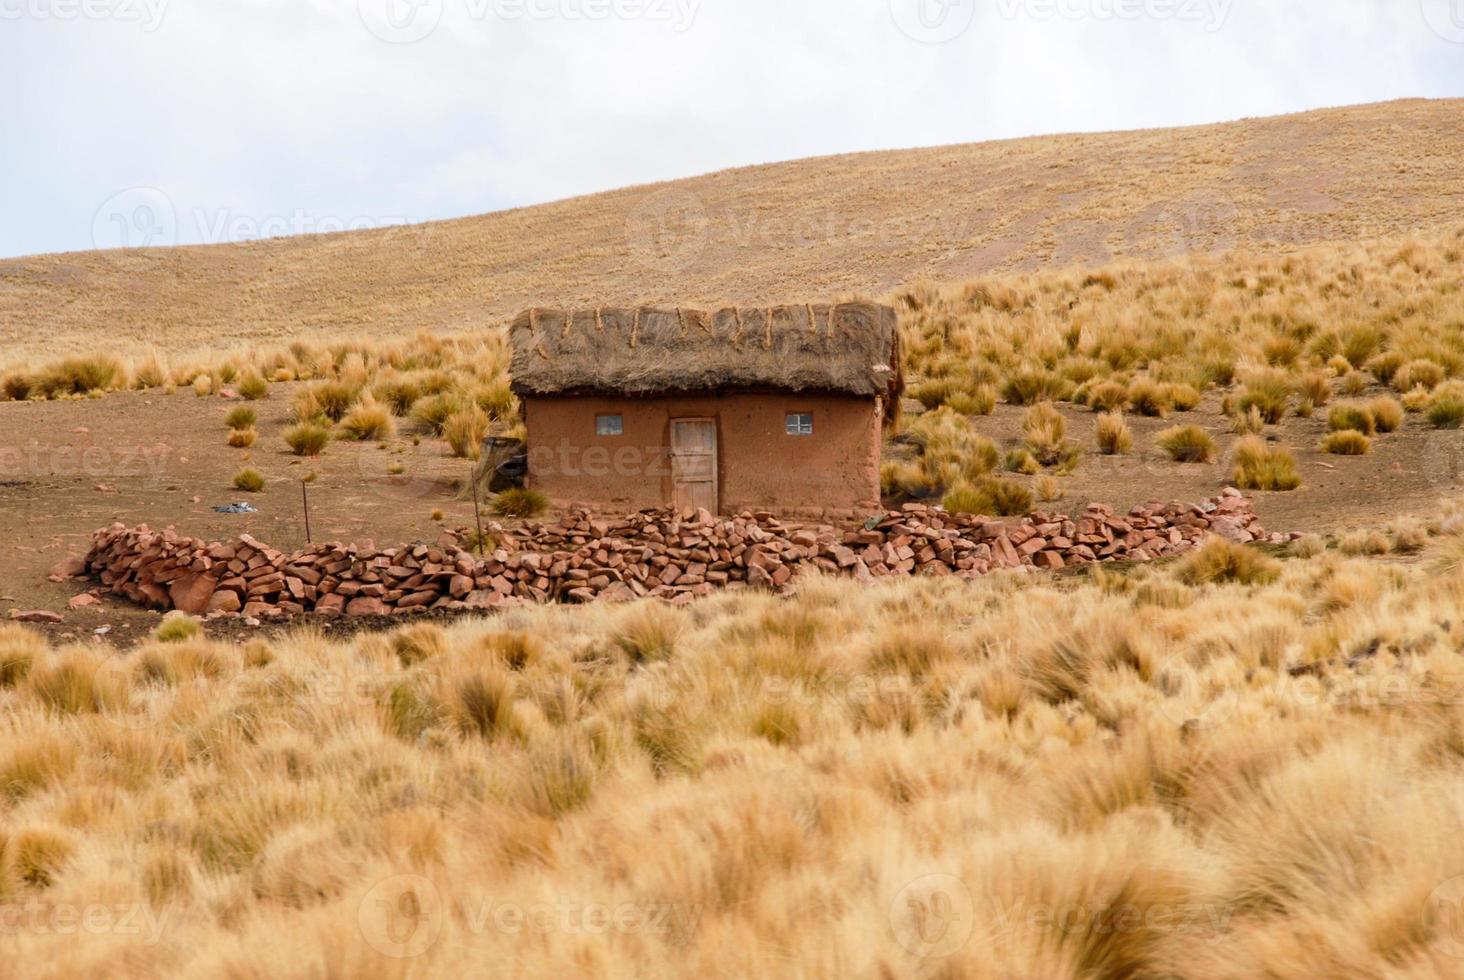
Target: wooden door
[694,463]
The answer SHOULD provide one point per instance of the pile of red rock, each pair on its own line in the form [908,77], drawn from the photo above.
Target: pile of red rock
[653,553]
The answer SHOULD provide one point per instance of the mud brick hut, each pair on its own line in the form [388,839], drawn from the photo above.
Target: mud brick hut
[778,409]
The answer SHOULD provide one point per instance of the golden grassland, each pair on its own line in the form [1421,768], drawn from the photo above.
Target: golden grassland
[1233,765]
[864,223]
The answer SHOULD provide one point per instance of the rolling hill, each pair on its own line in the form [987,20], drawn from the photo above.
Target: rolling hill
[863,223]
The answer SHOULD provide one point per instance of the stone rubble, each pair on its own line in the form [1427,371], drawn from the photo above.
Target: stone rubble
[657,553]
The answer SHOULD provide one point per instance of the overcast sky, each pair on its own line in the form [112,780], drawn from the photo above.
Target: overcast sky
[154,121]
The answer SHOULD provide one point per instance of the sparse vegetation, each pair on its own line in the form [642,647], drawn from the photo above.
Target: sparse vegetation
[241,417]
[1259,466]
[307,438]
[367,421]
[252,387]
[519,502]
[1220,560]
[464,431]
[1114,437]
[1354,416]
[248,480]
[1347,442]
[1387,413]
[1187,444]
[242,438]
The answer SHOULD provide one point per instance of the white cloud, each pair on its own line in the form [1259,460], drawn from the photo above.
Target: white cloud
[261,110]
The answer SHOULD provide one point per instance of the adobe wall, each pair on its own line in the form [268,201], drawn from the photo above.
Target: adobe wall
[760,466]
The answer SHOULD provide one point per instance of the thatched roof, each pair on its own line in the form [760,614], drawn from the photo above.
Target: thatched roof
[851,348]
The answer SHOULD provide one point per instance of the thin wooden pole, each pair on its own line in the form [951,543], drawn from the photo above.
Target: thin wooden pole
[477,513]
[305,496]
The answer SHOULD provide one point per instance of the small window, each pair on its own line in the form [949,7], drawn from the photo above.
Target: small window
[800,424]
[609,425]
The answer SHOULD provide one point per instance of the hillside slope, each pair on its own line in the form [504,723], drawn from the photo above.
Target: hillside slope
[822,227]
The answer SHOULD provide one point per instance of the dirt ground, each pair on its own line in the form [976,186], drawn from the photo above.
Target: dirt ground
[67,468]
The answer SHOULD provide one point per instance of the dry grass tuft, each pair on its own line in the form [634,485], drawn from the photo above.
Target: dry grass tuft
[307,438]
[1222,561]
[249,480]
[1347,442]
[519,503]
[1113,435]
[1187,444]
[1260,466]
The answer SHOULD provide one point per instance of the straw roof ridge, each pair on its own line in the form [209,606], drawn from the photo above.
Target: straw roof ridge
[845,348]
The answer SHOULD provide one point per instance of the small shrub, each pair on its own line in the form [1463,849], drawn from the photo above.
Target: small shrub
[465,430]
[368,420]
[497,399]
[1044,429]
[20,648]
[1114,437]
[1417,400]
[1022,461]
[80,375]
[242,417]
[1260,467]
[1352,416]
[1151,399]
[335,398]
[1269,392]
[1385,366]
[1420,373]
[433,411]
[1308,546]
[1048,489]
[1370,543]
[307,438]
[1387,413]
[991,496]
[933,393]
[1247,423]
[1219,560]
[965,499]
[1187,444]
[1030,385]
[1347,442]
[898,478]
[1408,535]
[252,387]
[203,385]
[242,438]
[1008,497]
[177,627]
[981,401]
[249,481]
[519,502]
[1354,383]
[17,386]
[1108,396]
[1185,398]
[1316,388]
[1446,411]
